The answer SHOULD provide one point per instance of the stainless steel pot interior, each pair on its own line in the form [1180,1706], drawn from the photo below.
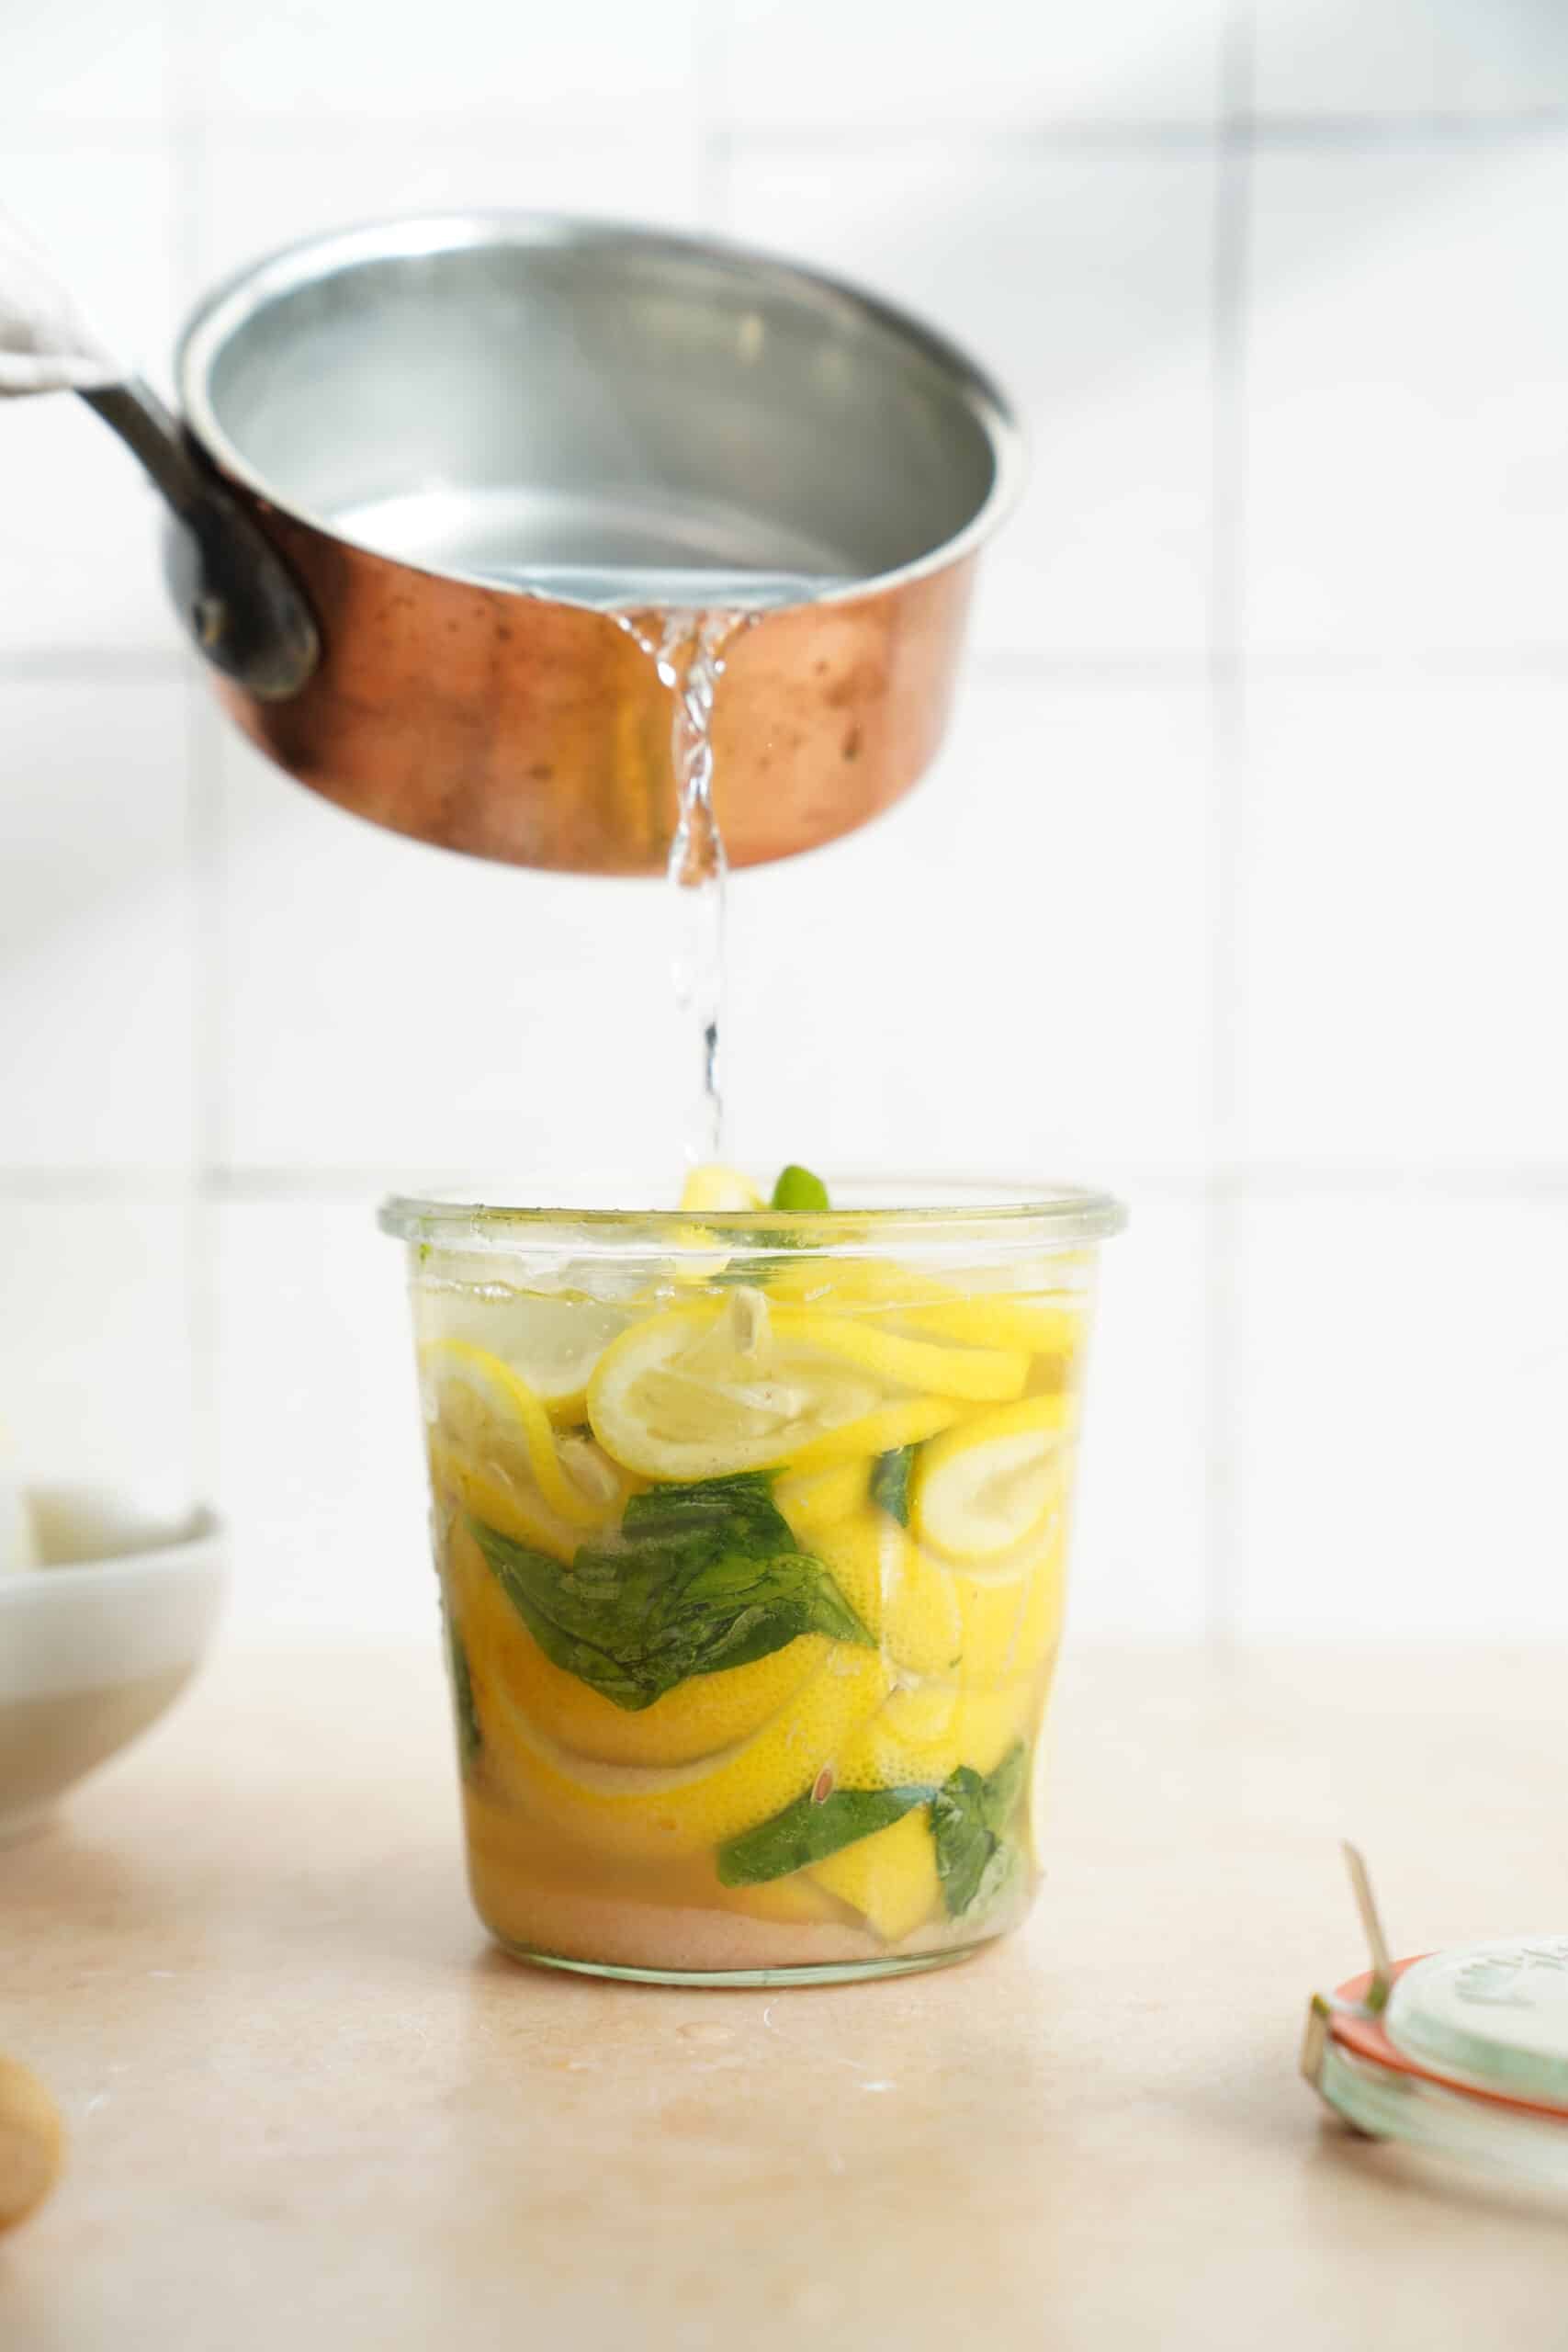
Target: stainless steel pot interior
[499,394]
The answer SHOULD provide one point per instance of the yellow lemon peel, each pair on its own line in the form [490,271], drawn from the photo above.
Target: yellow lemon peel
[473,1386]
[980,1488]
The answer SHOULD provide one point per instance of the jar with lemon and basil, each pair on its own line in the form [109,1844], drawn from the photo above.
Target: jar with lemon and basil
[751,1524]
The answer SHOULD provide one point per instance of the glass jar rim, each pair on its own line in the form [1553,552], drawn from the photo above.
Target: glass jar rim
[869,1221]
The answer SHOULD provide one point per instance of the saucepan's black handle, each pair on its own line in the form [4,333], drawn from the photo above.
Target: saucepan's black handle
[242,606]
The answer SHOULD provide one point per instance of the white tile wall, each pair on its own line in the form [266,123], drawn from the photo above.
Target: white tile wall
[1086,278]
[1404,949]
[1408,488]
[319,1457]
[78,545]
[262,187]
[1003,65]
[95,1331]
[470,1004]
[98,952]
[1276,284]
[977,992]
[316,64]
[1401,1368]
[1447,58]
[1141,1564]
[89,66]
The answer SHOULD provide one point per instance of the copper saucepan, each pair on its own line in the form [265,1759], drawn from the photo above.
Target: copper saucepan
[418,459]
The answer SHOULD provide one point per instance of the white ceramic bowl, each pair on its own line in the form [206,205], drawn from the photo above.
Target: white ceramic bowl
[97,1643]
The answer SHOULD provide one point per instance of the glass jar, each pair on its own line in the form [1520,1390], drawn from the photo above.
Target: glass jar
[752,1531]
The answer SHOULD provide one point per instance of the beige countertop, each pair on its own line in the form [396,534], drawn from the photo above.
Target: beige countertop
[310,2107]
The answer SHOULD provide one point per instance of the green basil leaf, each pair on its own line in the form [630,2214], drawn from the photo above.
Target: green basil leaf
[740,1510]
[1002,1866]
[890,1476]
[970,1814]
[469,1739]
[808,1832]
[800,1193]
[1005,1788]
[964,1846]
[700,1579]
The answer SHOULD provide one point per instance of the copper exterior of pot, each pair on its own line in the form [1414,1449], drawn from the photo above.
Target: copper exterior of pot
[538,734]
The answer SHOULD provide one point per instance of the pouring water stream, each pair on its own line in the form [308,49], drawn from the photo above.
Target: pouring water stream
[684,583]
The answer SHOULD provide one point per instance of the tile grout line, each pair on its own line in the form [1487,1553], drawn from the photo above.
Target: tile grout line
[1506,1184]
[1125,135]
[207,1174]
[1228,455]
[189,156]
[1088,132]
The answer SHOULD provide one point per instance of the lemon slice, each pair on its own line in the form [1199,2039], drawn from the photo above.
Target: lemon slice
[890,1877]
[811,1499]
[496,1422]
[958,1628]
[921,1735]
[551,1342]
[979,1488]
[715,1186]
[701,1717]
[995,1322]
[687,1395]
[981,1375]
[918,1739]
[513,1508]
[854,1443]
[644,1814]
[794,1902]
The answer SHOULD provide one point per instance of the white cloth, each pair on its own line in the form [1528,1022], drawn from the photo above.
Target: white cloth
[44,345]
